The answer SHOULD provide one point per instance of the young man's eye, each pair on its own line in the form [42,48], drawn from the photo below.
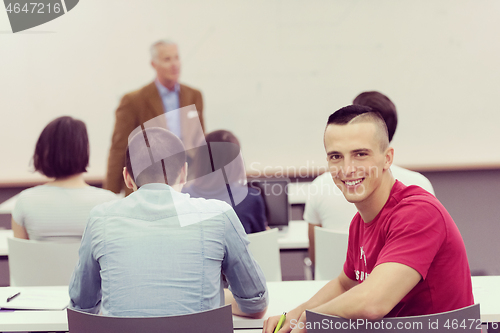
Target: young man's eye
[334,157]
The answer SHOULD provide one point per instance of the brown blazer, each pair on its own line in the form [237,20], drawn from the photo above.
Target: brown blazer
[137,108]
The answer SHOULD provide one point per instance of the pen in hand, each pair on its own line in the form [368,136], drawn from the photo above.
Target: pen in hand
[280,322]
[12,297]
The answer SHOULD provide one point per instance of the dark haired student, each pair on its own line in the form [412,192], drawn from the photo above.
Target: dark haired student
[405,256]
[225,153]
[58,210]
[160,252]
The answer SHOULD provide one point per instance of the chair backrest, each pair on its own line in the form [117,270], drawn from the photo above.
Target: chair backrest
[34,263]
[218,320]
[265,250]
[330,248]
[466,320]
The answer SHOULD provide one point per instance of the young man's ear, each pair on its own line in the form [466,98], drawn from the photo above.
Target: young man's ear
[129,182]
[389,158]
[183,175]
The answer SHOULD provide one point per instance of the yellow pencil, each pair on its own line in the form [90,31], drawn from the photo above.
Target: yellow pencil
[280,323]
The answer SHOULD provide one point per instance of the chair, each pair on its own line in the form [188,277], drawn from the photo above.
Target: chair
[265,250]
[34,263]
[330,248]
[463,320]
[218,320]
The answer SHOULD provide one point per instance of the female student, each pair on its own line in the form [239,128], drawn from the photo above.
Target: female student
[58,210]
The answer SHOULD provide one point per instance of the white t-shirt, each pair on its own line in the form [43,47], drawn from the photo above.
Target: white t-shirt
[51,213]
[327,206]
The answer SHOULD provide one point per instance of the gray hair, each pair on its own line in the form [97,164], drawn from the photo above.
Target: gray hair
[154,48]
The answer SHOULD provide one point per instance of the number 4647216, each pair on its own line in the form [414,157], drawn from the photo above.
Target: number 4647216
[34,8]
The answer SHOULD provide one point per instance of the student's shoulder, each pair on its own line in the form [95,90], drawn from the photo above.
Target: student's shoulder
[209,205]
[26,198]
[103,208]
[37,191]
[102,193]
[414,203]
[324,178]
[106,204]
[411,194]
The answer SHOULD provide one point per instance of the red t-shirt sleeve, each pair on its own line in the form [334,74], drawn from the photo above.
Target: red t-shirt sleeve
[415,232]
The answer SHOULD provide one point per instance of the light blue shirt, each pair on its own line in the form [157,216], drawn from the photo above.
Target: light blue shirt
[171,105]
[137,260]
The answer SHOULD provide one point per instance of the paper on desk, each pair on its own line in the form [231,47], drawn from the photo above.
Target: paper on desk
[35,298]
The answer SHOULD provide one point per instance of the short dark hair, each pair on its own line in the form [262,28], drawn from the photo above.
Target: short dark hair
[62,149]
[352,114]
[154,155]
[222,136]
[213,156]
[383,105]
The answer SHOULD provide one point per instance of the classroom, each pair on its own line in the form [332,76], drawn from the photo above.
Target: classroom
[271,72]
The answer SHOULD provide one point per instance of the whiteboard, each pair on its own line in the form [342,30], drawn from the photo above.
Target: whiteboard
[270,71]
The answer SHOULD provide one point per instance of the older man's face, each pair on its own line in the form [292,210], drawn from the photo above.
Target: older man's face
[167,65]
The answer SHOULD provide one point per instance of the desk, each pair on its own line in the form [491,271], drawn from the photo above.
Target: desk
[4,234]
[294,236]
[283,297]
[485,289]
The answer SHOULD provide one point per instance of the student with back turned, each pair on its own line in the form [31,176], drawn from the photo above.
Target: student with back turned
[58,210]
[405,256]
[159,252]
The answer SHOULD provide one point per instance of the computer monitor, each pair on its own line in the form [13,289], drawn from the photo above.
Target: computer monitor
[274,191]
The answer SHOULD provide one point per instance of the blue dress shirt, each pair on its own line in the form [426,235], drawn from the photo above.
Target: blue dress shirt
[137,260]
[171,105]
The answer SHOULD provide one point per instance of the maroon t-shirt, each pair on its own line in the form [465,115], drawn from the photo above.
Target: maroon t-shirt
[414,229]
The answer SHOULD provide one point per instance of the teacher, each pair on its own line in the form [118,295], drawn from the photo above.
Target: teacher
[181,105]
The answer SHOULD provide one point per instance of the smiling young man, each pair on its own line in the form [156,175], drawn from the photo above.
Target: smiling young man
[405,256]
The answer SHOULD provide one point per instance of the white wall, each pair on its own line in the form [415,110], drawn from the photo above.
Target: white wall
[270,71]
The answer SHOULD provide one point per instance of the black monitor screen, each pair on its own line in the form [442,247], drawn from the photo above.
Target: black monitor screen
[275,194]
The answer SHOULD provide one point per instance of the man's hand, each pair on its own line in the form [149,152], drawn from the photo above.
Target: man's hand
[300,326]
[271,322]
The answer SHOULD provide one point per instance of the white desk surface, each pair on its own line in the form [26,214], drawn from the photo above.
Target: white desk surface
[286,295]
[283,297]
[4,234]
[295,236]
